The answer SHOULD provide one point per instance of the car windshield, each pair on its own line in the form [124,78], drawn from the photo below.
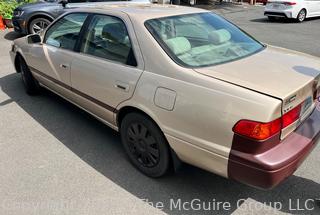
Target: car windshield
[202,39]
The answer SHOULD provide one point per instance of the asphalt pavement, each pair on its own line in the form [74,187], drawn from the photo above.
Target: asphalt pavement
[303,37]
[57,159]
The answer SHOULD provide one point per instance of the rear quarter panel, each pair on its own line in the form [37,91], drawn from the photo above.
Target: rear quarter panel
[199,127]
[203,115]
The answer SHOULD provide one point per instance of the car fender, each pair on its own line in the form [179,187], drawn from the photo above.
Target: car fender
[31,16]
[140,107]
[296,11]
[19,47]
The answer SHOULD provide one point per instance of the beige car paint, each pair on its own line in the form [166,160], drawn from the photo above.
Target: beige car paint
[99,77]
[199,126]
[58,66]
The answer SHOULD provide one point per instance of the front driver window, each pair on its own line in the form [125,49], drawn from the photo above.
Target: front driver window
[65,32]
[108,38]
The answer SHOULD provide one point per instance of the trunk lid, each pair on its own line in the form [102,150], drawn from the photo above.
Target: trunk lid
[287,75]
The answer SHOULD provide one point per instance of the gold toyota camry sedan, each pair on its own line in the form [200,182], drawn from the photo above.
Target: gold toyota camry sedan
[181,84]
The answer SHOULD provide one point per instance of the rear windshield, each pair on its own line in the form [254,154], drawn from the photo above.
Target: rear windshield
[202,39]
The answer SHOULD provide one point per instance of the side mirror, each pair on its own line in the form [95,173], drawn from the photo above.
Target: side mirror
[63,2]
[34,38]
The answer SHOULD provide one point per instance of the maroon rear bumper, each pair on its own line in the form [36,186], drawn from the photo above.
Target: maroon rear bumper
[267,167]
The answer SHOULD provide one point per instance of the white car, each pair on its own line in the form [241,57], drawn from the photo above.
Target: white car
[292,9]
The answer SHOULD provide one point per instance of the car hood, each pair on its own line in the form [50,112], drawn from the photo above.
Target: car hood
[274,71]
[39,4]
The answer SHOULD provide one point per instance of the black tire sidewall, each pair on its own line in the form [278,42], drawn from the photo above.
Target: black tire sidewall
[31,85]
[176,2]
[271,18]
[164,163]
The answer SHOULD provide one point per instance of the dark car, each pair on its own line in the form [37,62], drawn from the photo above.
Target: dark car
[33,18]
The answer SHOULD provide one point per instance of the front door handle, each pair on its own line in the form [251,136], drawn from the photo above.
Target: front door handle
[123,86]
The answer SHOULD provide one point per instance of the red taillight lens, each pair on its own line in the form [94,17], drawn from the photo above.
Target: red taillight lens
[262,131]
[257,130]
[290,3]
[291,116]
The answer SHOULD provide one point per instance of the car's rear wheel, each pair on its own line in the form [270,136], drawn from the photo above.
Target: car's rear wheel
[271,18]
[302,15]
[31,85]
[145,144]
[176,2]
[38,24]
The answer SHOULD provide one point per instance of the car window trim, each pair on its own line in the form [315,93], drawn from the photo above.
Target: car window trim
[80,32]
[108,60]
[83,32]
[92,15]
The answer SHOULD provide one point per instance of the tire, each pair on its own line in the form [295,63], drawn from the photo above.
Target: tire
[31,85]
[176,2]
[301,15]
[271,18]
[145,145]
[37,25]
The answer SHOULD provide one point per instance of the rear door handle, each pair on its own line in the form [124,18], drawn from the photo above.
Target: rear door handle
[123,86]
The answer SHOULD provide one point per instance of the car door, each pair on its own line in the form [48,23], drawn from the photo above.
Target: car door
[108,66]
[317,12]
[51,60]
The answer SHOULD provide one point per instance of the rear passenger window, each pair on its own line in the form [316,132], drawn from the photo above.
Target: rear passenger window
[65,32]
[107,37]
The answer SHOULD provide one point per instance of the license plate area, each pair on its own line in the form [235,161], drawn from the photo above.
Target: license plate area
[276,6]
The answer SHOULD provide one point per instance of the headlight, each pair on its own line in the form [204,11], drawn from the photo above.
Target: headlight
[18,13]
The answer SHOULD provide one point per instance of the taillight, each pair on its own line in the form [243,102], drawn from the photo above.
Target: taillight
[290,117]
[289,3]
[257,130]
[262,131]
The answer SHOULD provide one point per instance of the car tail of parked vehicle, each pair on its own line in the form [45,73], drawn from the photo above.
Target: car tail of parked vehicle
[35,17]
[292,9]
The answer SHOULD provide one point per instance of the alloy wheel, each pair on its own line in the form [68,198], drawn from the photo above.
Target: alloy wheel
[302,16]
[39,25]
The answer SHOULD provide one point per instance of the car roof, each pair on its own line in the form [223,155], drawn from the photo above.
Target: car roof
[144,11]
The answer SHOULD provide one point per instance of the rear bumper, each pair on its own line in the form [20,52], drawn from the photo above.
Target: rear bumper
[267,169]
[278,14]
[20,25]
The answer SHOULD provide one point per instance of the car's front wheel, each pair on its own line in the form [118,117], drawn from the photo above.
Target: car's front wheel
[145,145]
[31,85]
[38,24]
[302,15]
